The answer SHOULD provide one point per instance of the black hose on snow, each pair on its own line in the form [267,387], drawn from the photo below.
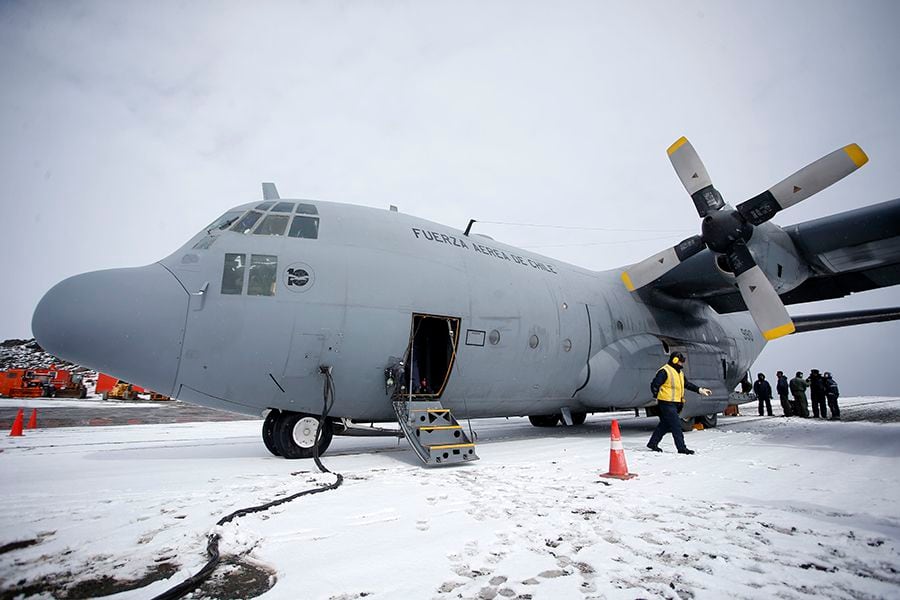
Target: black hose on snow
[212,540]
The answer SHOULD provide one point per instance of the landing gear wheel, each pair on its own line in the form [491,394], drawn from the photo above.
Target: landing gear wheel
[709,421]
[544,420]
[578,418]
[687,424]
[268,431]
[295,435]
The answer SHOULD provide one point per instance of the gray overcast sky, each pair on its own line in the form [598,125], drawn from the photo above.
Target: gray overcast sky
[127,127]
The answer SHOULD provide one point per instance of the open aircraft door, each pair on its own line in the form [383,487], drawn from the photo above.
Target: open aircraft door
[431,354]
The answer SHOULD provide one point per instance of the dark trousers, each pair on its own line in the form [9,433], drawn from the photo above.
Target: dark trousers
[768,403]
[833,406]
[785,405]
[819,409]
[669,422]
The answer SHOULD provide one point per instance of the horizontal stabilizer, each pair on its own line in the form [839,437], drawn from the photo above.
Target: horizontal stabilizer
[845,319]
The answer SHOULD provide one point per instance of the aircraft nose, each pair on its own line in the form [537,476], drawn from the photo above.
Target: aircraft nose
[128,323]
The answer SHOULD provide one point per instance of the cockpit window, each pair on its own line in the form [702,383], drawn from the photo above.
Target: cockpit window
[263,271]
[264,206]
[283,207]
[247,222]
[224,221]
[272,225]
[307,209]
[233,275]
[305,227]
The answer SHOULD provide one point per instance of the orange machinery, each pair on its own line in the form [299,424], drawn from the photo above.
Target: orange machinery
[36,383]
[112,387]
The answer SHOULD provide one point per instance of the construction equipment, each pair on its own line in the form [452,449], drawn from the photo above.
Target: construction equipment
[37,383]
[110,387]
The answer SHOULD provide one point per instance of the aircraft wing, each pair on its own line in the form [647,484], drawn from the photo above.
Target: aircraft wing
[848,252]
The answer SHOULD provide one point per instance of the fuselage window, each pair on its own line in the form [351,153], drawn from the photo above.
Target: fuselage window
[264,206]
[283,207]
[305,227]
[272,225]
[233,275]
[247,222]
[263,271]
[307,209]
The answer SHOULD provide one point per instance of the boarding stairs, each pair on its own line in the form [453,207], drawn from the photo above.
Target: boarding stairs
[434,434]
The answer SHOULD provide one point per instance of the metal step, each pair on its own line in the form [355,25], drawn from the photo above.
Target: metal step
[433,433]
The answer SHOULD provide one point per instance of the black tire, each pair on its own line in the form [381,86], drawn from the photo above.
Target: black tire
[709,421]
[544,420]
[687,424]
[294,433]
[578,418]
[268,431]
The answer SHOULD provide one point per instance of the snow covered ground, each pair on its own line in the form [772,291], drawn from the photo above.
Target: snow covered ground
[768,507]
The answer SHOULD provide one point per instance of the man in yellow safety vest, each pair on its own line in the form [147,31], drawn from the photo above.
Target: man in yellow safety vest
[668,388]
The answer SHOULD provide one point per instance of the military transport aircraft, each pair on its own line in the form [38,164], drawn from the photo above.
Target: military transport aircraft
[276,300]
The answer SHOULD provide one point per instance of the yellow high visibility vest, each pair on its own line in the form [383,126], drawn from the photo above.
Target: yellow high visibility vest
[672,389]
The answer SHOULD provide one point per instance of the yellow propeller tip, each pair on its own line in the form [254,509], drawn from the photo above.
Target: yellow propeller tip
[780,331]
[856,154]
[678,144]
[627,281]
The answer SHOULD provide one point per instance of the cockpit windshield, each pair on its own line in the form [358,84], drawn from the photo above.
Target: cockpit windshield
[224,221]
[296,220]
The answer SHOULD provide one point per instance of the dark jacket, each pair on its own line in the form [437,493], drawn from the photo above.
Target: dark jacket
[831,388]
[782,385]
[763,389]
[817,387]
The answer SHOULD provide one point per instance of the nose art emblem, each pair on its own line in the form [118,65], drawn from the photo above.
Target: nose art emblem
[299,277]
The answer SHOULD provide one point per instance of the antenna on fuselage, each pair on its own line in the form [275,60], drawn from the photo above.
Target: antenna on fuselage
[270,192]
[469,227]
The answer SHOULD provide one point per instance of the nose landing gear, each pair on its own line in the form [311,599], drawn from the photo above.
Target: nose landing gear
[293,435]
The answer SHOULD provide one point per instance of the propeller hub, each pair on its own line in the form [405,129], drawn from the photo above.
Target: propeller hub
[723,228]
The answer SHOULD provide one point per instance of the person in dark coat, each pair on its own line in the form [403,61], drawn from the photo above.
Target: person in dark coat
[817,394]
[798,387]
[668,388]
[831,394]
[763,392]
[781,386]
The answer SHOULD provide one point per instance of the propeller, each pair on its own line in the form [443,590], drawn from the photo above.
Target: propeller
[726,230]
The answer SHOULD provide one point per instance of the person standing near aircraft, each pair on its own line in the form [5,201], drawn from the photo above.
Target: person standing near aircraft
[798,391]
[831,394]
[817,394]
[763,393]
[668,388]
[781,386]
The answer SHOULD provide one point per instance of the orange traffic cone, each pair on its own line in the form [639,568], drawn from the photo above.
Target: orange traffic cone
[617,467]
[17,424]
[32,422]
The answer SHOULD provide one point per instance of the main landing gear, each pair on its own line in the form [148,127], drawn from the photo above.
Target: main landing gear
[293,435]
[553,420]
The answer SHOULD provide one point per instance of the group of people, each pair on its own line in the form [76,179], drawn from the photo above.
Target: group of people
[823,392]
[669,385]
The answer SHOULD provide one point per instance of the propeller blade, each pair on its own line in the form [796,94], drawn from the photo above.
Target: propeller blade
[809,180]
[694,177]
[651,269]
[760,297]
